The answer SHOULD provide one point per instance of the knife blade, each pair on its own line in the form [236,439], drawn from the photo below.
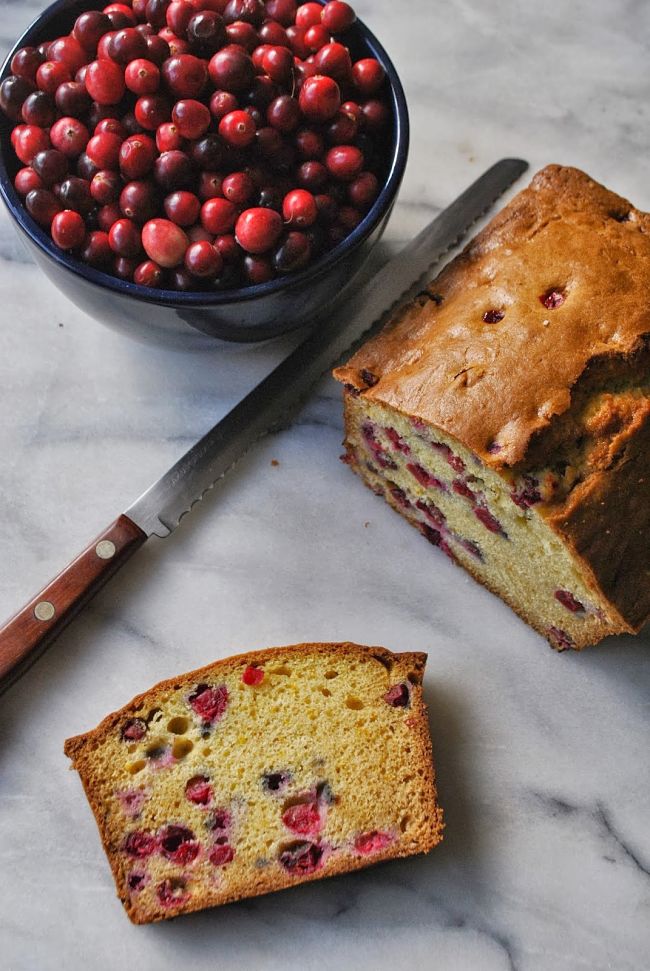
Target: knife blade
[160,509]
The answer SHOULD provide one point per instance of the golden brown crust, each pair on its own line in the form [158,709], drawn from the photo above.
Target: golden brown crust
[503,382]
[409,665]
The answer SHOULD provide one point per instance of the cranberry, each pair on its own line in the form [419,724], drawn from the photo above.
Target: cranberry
[142,76]
[308,15]
[258,229]
[206,32]
[237,128]
[227,247]
[26,179]
[139,201]
[275,781]
[139,844]
[364,190]
[172,892]
[342,130]
[177,843]
[182,208]
[28,141]
[277,62]
[553,299]
[398,696]
[107,215]
[120,15]
[283,11]
[375,115]
[136,881]
[338,16]
[302,858]
[368,76]
[303,819]
[164,242]
[252,675]
[320,98]
[569,601]
[178,15]
[299,208]
[155,12]
[168,137]
[334,61]
[89,28]
[202,260]
[344,162]
[69,136]
[293,254]
[192,118]
[493,316]
[133,730]
[38,109]
[198,790]
[97,251]
[51,74]
[269,142]
[74,193]
[250,11]
[72,99]
[238,188]
[372,842]
[284,113]
[209,703]
[221,855]
[173,170]
[312,176]
[105,82]
[243,35]
[151,111]
[137,155]
[489,521]
[258,269]
[316,37]
[262,92]
[158,50]
[218,215]
[559,638]
[25,63]
[149,274]
[328,210]
[210,186]
[185,75]
[105,187]
[51,165]
[86,168]
[43,206]
[104,46]
[104,150]
[68,229]
[221,103]
[125,239]
[231,69]
[68,51]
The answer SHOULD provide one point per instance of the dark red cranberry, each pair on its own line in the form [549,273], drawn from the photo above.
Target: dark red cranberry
[293,254]
[275,781]
[553,299]
[105,82]
[177,843]
[25,63]
[269,141]
[560,640]
[173,891]
[258,269]
[127,45]
[97,251]
[72,99]
[284,113]
[243,35]
[185,75]
[139,201]
[493,316]
[398,696]
[309,144]
[125,239]
[203,260]
[250,11]
[156,11]
[86,168]
[238,187]
[182,208]
[334,61]
[227,247]
[344,162]
[89,28]
[14,91]
[262,92]
[178,15]
[120,15]
[38,109]
[43,206]
[198,790]
[342,130]
[364,190]
[139,844]
[136,881]
[74,193]
[527,492]
[137,155]
[151,111]
[107,215]
[569,601]
[273,34]
[270,197]
[68,51]
[51,165]
[221,855]
[302,858]
[328,210]
[284,11]
[489,521]
[222,103]
[237,128]
[210,186]
[68,229]
[149,274]
[320,98]
[191,117]
[338,16]
[376,115]
[368,76]
[209,703]
[206,33]
[312,175]
[258,229]
[173,170]
[105,187]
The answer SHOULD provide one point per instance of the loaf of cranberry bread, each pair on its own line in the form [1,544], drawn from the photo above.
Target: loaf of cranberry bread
[260,772]
[506,412]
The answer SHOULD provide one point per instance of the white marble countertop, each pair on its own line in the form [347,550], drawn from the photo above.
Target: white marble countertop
[542,759]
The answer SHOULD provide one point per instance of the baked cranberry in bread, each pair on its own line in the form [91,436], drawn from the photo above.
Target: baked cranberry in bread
[506,412]
[260,772]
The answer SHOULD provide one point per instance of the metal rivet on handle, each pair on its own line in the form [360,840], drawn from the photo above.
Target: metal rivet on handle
[44,610]
[105,549]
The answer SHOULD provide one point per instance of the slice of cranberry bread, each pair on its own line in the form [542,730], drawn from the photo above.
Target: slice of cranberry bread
[260,772]
[506,412]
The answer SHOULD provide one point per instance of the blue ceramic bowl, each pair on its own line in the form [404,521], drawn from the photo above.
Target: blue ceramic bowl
[246,314]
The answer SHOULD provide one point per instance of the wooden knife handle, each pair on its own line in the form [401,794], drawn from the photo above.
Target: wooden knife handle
[32,629]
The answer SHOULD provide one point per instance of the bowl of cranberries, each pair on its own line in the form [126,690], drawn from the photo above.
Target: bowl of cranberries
[220,167]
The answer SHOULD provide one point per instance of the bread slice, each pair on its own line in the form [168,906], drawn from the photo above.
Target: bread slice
[259,772]
[506,411]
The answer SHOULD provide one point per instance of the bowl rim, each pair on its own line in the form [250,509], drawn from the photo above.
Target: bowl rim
[180,298]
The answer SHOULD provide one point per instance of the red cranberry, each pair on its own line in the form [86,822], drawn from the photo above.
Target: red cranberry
[173,170]
[398,696]
[320,98]
[72,99]
[231,69]
[142,76]
[105,82]
[364,190]
[252,675]
[206,32]
[172,892]
[258,230]
[210,186]
[368,76]
[221,103]
[178,15]
[69,136]
[344,162]
[42,206]
[312,175]
[238,187]
[177,844]
[308,15]
[168,137]
[38,109]
[112,125]
[120,15]
[342,130]
[258,269]
[376,115]
[51,165]
[202,260]
[108,215]
[89,28]
[97,251]
[149,274]
[68,229]
[303,818]
[151,111]
[284,11]
[209,703]
[182,208]
[284,113]
[104,46]
[134,730]
[250,11]
[125,239]
[158,50]
[569,601]
[137,155]
[338,16]
[218,215]
[237,128]
[493,316]
[277,62]
[316,37]
[185,75]
[302,858]
[227,247]
[104,150]
[164,242]
[243,35]
[273,33]
[25,63]
[334,61]
[105,187]
[140,844]
[29,141]
[293,254]
[68,51]
[372,842]
[26,179]
[299,208]
[297,42]
[552,299]
[139,201]
[221,855]
[192,118]
[50,75]
[198,790]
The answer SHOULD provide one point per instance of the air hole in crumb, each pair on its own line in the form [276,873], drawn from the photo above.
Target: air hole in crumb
[326,692]
[154,715]
[384,661]
[131,749]
[135,767]
[283,669]
[620,217]
[414,677]
[178,725]
[354,703]
[182,747]
[156,749]
[403,823]
[207,751]
[331,674]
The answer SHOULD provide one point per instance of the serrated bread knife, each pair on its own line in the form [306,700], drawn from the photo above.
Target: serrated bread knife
[161,508]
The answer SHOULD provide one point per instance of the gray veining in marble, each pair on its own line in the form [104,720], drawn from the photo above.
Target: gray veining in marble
[542,759]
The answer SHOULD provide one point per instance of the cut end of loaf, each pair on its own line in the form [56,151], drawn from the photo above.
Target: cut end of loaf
[260,772]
